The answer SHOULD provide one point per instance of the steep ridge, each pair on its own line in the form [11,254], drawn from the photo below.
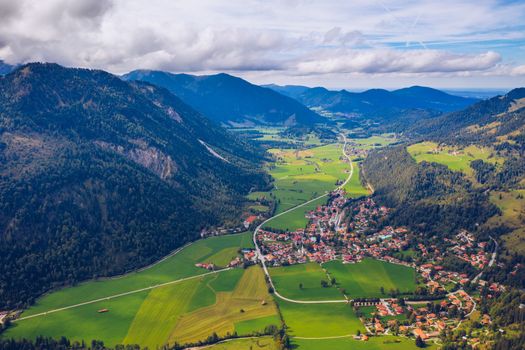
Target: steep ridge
[99,176]
[231,100]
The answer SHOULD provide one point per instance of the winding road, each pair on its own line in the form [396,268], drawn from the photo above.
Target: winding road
[261,256]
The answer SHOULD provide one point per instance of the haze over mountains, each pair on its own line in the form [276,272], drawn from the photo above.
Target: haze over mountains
[376,103]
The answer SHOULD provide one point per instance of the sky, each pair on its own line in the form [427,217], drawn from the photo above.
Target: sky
[350,44]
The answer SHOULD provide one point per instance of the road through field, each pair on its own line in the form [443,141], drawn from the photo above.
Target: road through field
[120,295]
[261,256]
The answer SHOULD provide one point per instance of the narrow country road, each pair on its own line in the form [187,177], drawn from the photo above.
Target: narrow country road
[261,256]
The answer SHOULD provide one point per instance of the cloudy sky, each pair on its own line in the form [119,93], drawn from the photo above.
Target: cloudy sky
[335,43]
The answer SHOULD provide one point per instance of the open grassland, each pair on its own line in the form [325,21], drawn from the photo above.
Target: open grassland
[512,206]
[260,343]
[374,343]
[374,141]
[319,320]
[175,267]
[287,281]
[456,159]
[248,301]
[366,278]
[354,188]
[150,317]
[301,175]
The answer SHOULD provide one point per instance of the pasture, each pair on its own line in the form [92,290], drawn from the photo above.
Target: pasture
[152,317]
[456,159]
[262,343]
[512,206]
[365,279]
[288,280]
[319,320]
[300,175]
[374,343]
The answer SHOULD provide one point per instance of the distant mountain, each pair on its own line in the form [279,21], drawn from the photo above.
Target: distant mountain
[498,118]
[230,100]
[377,104]
[99,176]
[5,68]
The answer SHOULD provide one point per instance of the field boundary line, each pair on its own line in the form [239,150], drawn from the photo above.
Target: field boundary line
[114,296]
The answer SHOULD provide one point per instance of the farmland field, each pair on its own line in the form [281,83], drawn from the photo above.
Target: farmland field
[454,158]
[374,343]
[241,304]
[287,281]
[151,317]
[366,278]
[319,320]
[306,174]
[266,343]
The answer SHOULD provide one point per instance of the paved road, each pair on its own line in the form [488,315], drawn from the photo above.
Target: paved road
[261,256]
[491,262]
[120,295]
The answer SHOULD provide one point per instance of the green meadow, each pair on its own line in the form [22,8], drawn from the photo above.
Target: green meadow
[288,280]
[512,206]
[365,279]
[300,175]
[373,343]
[168,313]
[456,159]
[263,343]
[319,320]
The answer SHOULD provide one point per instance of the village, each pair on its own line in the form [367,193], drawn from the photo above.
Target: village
[347,232]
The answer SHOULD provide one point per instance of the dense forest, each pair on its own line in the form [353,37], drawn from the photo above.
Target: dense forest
[99,176]
[426,197]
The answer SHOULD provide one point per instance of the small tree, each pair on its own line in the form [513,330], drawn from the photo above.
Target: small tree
[420,343]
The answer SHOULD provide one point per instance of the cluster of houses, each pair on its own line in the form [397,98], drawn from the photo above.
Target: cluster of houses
[327,237]
[465,247]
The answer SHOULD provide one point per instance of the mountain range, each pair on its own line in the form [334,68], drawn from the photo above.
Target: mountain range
[99,176]
[377,104]
[230,100]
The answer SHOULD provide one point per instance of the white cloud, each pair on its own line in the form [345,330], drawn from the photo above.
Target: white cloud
[397,61]
[286,38]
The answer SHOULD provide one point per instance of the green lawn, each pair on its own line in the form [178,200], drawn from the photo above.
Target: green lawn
[319,320]
[457,159]
[374,343]
[366,278]
[288,278]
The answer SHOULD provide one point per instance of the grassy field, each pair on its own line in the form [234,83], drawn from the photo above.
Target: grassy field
[319,320]
[366,278]
[375,141]
[287,280]
[374,343]
[262,343]
[457,159]
[151,317]
[244,303]
[512,206]
[301,175]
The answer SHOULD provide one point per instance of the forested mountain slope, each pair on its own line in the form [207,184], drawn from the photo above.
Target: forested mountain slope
[496,120]
[99,176]
[231,100]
